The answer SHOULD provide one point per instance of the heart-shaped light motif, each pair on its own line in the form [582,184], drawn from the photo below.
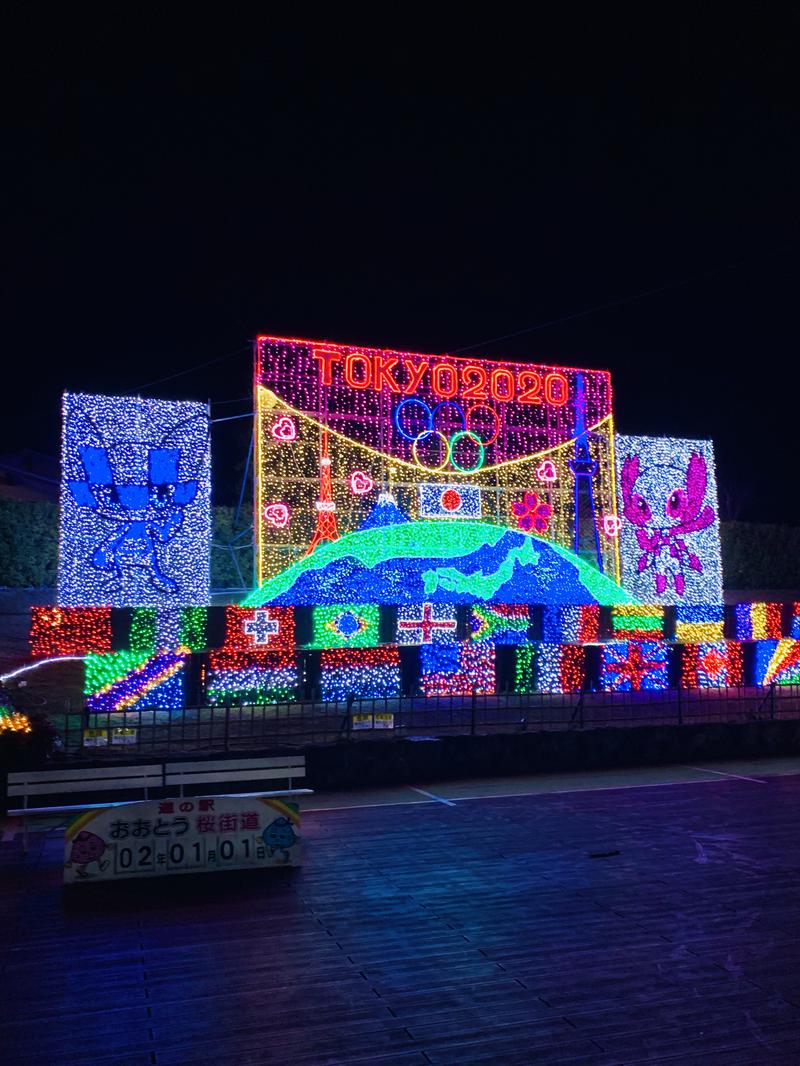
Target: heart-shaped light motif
[611,525]
[284,429]
[361,482]
[277,514]
[546,471]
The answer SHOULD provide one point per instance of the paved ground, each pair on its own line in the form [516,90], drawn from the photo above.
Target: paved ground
[618,917]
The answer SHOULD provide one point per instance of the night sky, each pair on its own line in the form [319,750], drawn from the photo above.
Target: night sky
[166,207]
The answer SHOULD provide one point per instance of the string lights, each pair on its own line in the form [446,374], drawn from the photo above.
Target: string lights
[242,676]
[717,664]
[445,436]
[129,680]
[458,669]
[757,621]
[135,510]
[572,624]
[699,624]
[59,631]
[501,623]
[363,673]
[669,536]
[560,667]
[630,666]
[644,622]
[352,626]
[777,662]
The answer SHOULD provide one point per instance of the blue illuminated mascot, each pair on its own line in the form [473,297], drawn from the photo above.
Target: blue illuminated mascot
[146,514]
[279,836]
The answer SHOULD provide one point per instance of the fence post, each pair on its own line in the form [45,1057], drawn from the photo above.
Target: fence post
[227,723]
[472,712]
[771,700]
[680,707]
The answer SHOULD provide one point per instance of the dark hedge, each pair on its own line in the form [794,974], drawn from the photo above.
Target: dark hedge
[753,556]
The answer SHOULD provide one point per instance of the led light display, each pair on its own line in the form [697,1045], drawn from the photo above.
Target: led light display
[571,625]
[645,622]
[794,623]
[777,662]
[129,680]
[669,536]
[404,562]
[634,667]
[143,629]
[757,621]
[449,501]
[717,664]
[243,677]
[441,436]
[135,509]
[354,625]
[426,623]
[363,673]
[458,669]
[525,668]
[500,623]
[560,667]
[194,628]
[59,631]
[699,624]
[250,629]
[12,721]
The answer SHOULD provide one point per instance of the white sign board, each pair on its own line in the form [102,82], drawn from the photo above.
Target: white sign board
[181,836]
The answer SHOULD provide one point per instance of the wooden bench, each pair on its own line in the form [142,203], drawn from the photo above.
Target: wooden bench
[270,768]
[114,779]
[105,779]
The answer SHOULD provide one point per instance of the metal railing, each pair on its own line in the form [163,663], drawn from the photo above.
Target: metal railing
[310,722]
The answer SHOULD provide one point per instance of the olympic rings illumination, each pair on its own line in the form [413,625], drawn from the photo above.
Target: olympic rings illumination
[455,437]
[447,450]
[448,403]
[481,450]
[399,428]
[484,407]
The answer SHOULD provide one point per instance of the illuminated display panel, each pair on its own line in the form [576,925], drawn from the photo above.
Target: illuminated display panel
[669,534]
[353,438]
[135,505]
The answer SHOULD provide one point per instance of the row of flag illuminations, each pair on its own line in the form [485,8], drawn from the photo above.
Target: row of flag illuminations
[59,631]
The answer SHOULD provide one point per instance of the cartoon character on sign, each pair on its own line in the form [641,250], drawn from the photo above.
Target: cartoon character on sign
[87,848]
[665,504]
[279,836]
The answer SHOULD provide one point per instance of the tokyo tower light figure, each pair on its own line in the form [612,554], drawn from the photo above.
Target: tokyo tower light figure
[326,508]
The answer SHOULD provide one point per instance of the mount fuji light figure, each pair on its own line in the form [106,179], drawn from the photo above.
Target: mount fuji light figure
[327,528]
[584,469]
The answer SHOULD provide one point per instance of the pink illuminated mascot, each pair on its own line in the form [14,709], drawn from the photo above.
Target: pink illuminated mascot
[663,521]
